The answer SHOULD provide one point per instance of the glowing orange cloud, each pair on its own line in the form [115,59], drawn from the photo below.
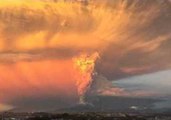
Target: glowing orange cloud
[42,25]
[38,41]
[46,78]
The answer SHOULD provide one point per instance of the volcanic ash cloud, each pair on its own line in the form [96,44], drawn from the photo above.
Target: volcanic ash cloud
[84,69]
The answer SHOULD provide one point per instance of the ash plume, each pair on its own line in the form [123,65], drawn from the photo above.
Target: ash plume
[40,40]
[84,65]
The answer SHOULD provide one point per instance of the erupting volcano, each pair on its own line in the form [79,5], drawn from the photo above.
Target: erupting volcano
[41,67]
[84,66]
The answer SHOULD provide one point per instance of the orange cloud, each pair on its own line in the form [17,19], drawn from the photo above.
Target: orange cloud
[134,70]
[39,39]
[36,25]
[48,78]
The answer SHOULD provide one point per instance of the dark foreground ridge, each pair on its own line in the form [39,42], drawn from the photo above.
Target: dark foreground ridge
[83,116]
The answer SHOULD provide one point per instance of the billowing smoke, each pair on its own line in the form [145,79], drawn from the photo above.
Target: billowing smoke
[41,39]
[84,65]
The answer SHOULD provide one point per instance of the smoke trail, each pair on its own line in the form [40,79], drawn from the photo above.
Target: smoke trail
[84,65]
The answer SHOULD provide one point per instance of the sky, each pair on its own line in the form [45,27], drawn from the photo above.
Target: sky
[39,40]
[157,83]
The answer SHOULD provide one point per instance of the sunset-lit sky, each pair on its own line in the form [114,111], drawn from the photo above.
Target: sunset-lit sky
[39,39]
